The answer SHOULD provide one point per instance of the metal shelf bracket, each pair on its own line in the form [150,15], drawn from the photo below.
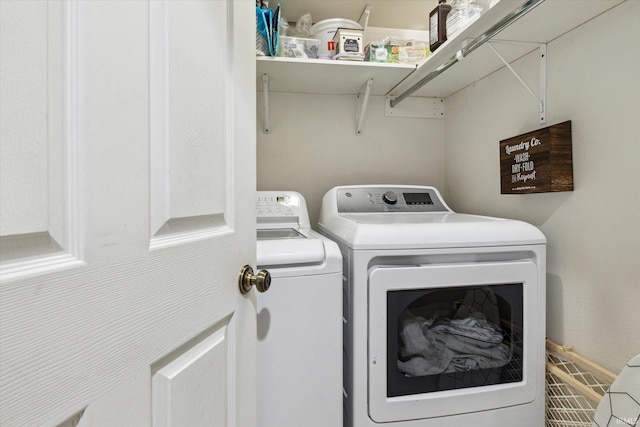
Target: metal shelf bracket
[542,91]
[362,102]
[265,94]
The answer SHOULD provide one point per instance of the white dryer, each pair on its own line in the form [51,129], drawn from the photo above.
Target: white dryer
[299,348]
[444,312]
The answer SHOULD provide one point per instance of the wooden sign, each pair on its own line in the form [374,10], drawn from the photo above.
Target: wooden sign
[537,162]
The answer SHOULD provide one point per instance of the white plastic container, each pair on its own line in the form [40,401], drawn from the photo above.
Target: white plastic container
[463,13]
[457,18]
[325,30]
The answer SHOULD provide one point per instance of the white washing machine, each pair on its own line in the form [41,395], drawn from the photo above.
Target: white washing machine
[444,312]
[299,348]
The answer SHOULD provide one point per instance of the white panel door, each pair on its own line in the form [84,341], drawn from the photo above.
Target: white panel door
[127,182]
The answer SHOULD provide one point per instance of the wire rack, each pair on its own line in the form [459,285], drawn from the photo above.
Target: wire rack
[574,387]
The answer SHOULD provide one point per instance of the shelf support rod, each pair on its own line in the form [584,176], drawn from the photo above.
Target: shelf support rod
[541,98]
[473,45]
[265,94]
[364,18]
[362,102]
[543,82]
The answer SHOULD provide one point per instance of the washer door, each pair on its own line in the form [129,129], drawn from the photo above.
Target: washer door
[446,339]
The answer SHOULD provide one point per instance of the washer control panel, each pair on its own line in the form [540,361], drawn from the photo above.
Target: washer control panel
[277,204]
[280,209]
[390,199]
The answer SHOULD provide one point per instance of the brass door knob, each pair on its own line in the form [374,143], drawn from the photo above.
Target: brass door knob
[261,280]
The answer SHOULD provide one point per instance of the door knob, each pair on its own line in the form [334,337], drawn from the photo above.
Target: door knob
[261,280]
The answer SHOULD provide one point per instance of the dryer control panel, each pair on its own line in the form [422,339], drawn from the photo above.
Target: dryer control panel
[390,199]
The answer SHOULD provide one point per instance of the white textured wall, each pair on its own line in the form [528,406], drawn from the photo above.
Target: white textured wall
[313,146]
[593,280]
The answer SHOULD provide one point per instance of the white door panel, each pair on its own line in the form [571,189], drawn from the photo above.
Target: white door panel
[203,366]
[37,213]
[24,120]
[130,171]
[188,116]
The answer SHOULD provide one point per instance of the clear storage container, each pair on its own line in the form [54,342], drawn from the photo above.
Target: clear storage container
[298,47]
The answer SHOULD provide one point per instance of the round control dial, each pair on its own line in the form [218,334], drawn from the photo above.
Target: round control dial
[390,198]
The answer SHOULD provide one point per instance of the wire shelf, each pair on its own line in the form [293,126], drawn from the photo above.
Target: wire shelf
[574,387]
